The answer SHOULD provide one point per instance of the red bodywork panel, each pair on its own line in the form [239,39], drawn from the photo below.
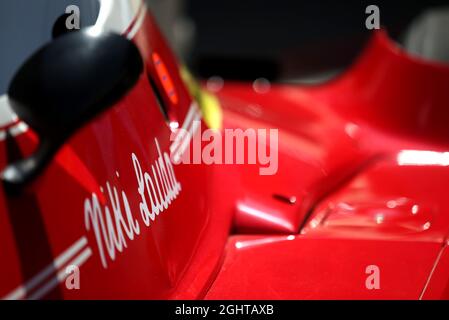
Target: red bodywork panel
[363,197]
[322,268]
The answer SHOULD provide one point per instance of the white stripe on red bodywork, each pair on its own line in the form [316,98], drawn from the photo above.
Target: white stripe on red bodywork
[62,260]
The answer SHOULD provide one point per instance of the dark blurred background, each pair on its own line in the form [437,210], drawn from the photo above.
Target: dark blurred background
[283,40]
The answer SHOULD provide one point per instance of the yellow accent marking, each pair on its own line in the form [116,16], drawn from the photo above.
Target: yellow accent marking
[208,102]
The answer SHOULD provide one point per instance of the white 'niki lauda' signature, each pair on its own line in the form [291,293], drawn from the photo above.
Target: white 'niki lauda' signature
[113,228]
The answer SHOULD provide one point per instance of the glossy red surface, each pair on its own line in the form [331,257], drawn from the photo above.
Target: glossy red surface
[162,261]
[350,156]
[322,268]
[370,179]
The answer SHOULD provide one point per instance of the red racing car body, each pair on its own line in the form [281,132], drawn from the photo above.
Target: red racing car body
[358,207]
